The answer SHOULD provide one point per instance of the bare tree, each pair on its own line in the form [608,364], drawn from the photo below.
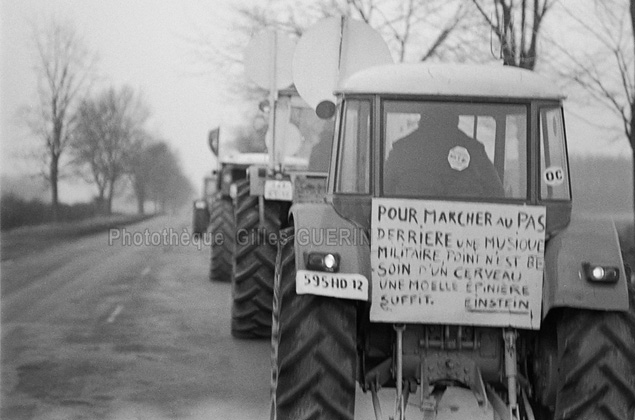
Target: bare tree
[416,30]
[142,166]
[161,179]
[516,26]
[65,68]
[604,69]
[109,132]
[424,26]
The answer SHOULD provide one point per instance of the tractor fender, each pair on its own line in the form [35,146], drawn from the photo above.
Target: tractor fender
[587,240]
[319,228]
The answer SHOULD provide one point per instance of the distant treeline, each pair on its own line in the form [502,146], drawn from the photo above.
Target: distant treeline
[16,212]
[602,184]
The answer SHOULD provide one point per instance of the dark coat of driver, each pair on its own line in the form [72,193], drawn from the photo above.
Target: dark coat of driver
[439,160]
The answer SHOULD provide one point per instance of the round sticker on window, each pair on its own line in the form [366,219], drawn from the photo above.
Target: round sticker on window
[459,158]
[553,176]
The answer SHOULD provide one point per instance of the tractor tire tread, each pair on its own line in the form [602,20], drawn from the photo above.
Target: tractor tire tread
[314,353]
[597,365]
[223,231]
[254,265]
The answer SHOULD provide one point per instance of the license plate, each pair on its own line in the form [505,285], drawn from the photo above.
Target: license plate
[309,188]
[337,285]
[278,190]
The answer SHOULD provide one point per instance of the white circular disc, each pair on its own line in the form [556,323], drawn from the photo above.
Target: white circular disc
[263,48]
[318,68]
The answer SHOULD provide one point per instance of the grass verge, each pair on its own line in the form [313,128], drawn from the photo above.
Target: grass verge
[28,239]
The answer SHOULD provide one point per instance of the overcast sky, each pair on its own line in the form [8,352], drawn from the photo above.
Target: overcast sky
[141,43]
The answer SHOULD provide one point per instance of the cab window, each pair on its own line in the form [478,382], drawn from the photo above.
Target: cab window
[353,172]
[554,179]
[452,149]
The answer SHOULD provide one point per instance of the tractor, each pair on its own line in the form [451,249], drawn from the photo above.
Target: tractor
[201,216]
[299,152]
[232,169]
[445,261]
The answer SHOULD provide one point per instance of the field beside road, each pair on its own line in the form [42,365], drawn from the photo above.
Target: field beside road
[25,240]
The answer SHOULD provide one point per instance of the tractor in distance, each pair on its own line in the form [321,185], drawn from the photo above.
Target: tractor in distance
[446,263]
[299,153]
[200,217]
[232,168]
[300,138]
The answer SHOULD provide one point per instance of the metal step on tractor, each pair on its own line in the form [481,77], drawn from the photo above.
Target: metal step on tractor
[445,262]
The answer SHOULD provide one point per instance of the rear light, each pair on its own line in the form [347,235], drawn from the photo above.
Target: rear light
[600,273]
[323,261]
[200,204]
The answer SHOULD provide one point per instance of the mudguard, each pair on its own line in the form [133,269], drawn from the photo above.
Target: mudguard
[585,240]
[318,228]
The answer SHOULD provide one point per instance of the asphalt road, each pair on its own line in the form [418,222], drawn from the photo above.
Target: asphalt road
[92,330]
[97,330]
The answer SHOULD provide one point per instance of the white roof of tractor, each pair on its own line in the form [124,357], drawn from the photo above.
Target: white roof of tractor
[261,159]
[246,158]
[452,80]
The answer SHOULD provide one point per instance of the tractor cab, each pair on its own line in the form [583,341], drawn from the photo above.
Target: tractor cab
[451,133]
[445,261]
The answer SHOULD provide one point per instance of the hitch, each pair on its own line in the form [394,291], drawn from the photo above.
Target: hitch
[473,399]
[399,406]
[511,372]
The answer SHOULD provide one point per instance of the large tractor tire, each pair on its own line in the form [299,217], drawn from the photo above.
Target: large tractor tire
[313,351]
[597,365]
[254,265]
[223,231]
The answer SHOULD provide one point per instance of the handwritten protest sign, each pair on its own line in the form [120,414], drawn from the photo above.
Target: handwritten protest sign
[457,263]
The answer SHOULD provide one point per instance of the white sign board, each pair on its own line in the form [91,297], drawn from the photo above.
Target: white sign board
[278,190]
[442,262]
[268,58]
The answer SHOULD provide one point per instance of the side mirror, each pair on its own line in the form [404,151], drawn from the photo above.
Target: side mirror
[264,106]
[212,140]
[325,109]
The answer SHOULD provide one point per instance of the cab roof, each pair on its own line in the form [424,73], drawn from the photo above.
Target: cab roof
[473,80]
[248,159]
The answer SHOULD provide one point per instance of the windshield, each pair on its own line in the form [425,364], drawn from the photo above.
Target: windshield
[303,140]
[313,140]
[452,149]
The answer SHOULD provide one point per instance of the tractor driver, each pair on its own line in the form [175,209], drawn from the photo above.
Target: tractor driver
[439,160]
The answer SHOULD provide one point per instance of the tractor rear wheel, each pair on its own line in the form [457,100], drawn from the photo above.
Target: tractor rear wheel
[597,364]
[223,231]
[254,265]
[314,357]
